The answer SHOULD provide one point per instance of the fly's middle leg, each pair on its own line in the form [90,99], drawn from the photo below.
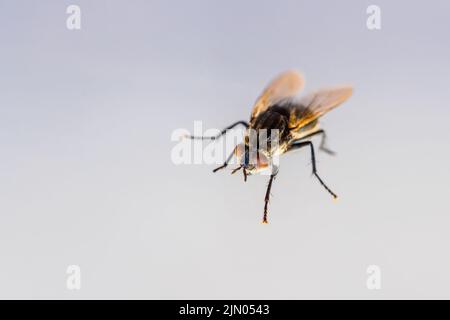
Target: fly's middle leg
[323,140]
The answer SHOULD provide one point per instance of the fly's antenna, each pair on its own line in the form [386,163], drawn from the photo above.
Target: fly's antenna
[243,170]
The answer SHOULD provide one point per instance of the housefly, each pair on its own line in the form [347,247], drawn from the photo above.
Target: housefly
[295,121]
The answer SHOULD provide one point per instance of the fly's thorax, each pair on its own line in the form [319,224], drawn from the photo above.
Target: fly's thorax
[269,141]
[270,129]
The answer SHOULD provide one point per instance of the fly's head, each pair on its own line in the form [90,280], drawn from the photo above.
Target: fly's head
[250,160]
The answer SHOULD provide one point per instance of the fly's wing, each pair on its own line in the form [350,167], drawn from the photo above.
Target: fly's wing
[285,86]
[312,106]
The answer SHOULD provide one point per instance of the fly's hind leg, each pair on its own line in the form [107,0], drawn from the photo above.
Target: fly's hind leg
[298,145]
[322,145]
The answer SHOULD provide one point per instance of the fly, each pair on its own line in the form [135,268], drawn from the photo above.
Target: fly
[295,121]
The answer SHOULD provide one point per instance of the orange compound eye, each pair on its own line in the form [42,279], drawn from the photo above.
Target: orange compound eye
[239,150]
[262,161]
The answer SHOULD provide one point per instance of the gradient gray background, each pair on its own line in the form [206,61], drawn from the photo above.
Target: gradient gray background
[86,175]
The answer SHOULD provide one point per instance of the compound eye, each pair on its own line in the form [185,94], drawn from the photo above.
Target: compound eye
[239,151]
[262,161]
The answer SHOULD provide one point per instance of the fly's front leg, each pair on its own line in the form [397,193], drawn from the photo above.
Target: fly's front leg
[243,123]
[225,164]
[299,145]
[267,197]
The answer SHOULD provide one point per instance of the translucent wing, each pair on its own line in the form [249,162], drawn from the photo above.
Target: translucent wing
[312,106]
[286,85]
